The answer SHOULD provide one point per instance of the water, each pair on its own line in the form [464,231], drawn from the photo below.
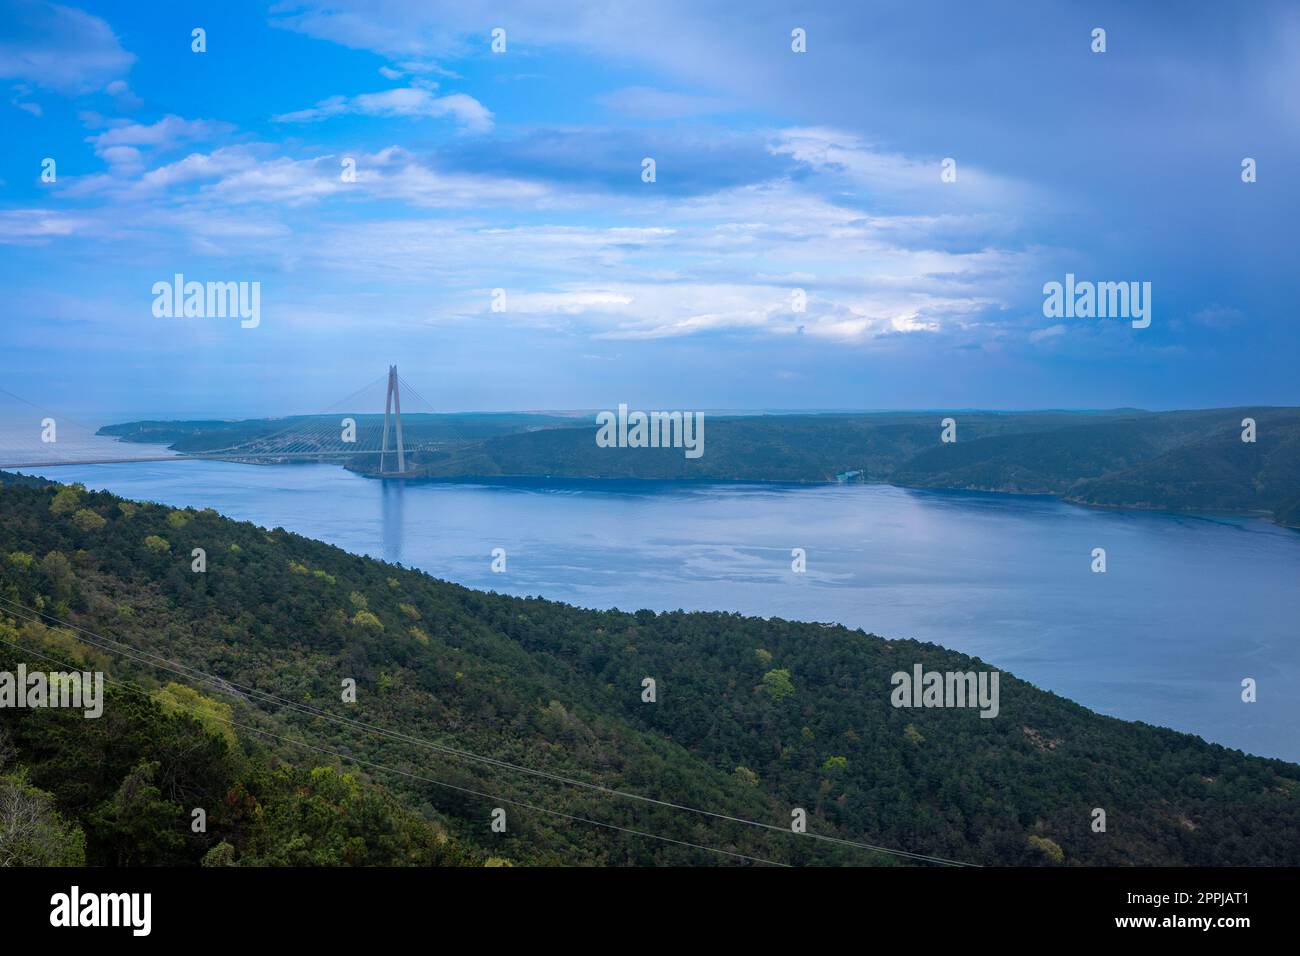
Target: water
[1188,606]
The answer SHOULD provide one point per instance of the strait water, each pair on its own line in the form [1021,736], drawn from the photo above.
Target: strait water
[1187,608]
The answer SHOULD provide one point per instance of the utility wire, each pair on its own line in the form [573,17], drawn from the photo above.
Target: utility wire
[225,684]
[420,777]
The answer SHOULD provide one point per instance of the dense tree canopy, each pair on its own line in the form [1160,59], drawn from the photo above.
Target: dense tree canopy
[752,718]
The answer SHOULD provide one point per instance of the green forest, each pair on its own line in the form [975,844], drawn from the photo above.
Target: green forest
[227,686]
[1128,458]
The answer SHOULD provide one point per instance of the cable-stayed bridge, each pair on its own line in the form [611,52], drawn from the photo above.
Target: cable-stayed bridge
[353,428]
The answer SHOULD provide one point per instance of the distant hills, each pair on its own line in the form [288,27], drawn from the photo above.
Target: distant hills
[1178,461]
[527,705]
[203,436]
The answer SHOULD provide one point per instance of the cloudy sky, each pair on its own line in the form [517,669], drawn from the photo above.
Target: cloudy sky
[775,171]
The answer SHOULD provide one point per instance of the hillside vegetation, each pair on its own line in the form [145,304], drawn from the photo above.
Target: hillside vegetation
[753,718]
[1177,461]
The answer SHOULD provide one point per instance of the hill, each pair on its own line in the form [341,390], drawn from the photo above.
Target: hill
[1184,460]
[205,436]
[468,701]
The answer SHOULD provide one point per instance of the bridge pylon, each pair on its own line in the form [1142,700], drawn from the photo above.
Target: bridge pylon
[393,407]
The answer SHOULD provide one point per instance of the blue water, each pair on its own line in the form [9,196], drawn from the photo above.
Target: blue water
[1187,608]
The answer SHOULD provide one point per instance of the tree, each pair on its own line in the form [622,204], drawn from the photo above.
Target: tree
[1048,848]
[214,715]
[88,520]
[367,619]
[66,500]
[223,854]
[777,683]
[59,570]
[32,833]
[147,829]
[835,765]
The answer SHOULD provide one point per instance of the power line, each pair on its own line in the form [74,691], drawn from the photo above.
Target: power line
[224,684]
[440,783]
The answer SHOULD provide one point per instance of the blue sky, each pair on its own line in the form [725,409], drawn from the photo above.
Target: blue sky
[521,171]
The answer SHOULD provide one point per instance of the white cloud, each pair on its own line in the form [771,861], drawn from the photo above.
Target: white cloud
[390,173]
[59,48]
[245,174]
[408,101]
[425,31]
[655,266]
[220,165]
[19,100]
[126,179]
[610,283]
[1051,332]
[170,131]
[122,147]
[123,159]
[898,177]
[123,98]
[567,303]
[37,226]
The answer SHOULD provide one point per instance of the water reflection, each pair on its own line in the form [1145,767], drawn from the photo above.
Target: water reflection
[390,500]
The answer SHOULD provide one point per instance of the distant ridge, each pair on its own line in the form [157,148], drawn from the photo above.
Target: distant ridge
[1191,460]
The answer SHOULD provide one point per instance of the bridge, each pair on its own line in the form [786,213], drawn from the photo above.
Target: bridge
[35,437]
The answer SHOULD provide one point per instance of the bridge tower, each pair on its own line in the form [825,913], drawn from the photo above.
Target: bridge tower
[393,406]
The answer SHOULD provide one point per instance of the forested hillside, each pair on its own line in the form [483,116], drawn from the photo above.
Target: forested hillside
[203,436]
[1189,461]
[801,448]
[1177,461]
[489,694]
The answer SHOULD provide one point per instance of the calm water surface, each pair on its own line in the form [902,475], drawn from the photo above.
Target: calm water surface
[1188,607]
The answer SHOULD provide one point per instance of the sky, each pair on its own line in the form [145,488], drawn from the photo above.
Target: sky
[777,175]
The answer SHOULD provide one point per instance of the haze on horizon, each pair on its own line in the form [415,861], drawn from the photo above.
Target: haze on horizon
[580,415]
